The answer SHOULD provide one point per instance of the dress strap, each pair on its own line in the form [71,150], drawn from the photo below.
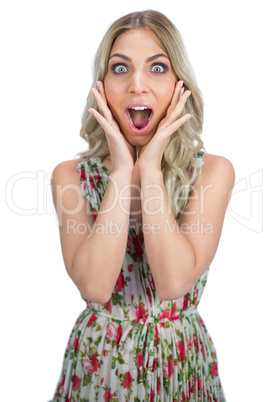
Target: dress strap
[196,169]
[94,180]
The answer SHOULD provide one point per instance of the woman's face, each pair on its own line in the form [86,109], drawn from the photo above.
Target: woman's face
[139,84]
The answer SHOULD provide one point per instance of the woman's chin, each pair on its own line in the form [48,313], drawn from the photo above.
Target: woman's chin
[139,141]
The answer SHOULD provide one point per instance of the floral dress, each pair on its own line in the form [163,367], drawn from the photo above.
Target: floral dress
[137,347]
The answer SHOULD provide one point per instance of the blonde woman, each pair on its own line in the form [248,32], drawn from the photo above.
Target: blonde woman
[140,216]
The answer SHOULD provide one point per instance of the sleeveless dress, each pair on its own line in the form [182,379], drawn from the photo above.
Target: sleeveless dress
[137,347]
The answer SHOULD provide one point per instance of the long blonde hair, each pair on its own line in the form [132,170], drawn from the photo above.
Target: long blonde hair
[185,145]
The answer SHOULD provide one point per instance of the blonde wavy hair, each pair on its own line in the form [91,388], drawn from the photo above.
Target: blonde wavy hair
[185,145]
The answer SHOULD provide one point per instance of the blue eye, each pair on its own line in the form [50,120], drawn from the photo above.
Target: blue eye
[159,68]
[119,68]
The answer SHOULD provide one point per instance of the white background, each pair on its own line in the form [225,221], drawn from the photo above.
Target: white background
[47,49]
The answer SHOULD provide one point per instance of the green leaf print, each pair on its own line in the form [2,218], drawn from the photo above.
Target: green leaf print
[97,342]
[87,379]
[114,362]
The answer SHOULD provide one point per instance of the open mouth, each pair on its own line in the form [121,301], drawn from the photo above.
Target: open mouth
[139,117]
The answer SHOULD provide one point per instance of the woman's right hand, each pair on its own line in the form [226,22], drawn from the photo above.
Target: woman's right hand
[123,154]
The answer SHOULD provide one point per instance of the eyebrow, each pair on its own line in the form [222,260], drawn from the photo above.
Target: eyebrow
[123,56]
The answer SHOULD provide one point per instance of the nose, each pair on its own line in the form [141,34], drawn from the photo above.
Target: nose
[138,83]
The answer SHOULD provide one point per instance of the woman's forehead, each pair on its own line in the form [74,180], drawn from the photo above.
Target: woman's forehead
[137,40]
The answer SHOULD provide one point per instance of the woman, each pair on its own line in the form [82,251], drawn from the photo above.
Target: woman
[139,235]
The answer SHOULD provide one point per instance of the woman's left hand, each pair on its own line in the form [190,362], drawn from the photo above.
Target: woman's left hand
[151,154]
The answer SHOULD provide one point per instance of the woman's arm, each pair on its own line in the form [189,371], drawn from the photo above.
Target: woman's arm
[179,253]
[93,252]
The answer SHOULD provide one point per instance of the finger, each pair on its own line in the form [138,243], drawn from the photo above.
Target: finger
[176,97]
[175,114]
[102,121]
[102,105]
[170,129]
[101,90]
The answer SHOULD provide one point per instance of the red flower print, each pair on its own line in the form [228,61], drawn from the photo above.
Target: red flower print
[170,367]
[152,396]
[76,343]
[76,383]
[131,246]
[165,369]
[102,380]
[194,385]
[203,350]
[94,362]
[97,175]
[174,308]
[61,385]
[156,336]
[92,319]
[130,268]
[213,369]
[119,334]
[140,359]
[138,246]
[158,385]
[173,311]
[185,302]
[107,395]
[183,397]
[152,282]
[67,399]
[140,312]
[180,349]
[190,344]
[196,296]
[149,296]
[87,366]
[127,381]
[83,174]
[111,332]
[190,387]
[108,306]
[154,365]
[208,396]
[91,365]
[120,282]
[199,384]
[92,183]
[95,213]
[62,382]
[165,314]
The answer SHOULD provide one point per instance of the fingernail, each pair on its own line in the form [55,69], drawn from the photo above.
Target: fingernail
[181,84]
[89,111]
[98,85]
[182,91]
[189,93]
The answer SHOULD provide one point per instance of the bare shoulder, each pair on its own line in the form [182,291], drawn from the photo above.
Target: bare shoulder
[66,172]
[218,168]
